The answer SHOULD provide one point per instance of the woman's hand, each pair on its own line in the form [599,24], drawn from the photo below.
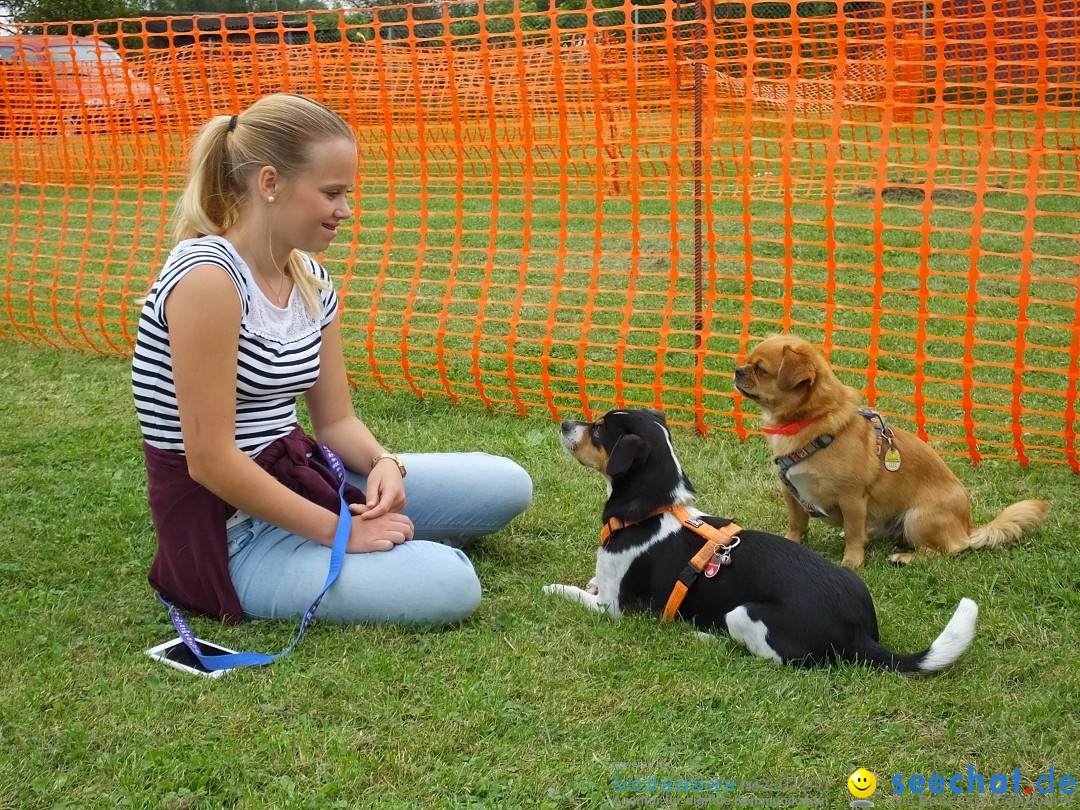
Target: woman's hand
[379,532]
[385,491]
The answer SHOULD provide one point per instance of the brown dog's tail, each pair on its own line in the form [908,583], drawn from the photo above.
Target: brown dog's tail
[1009,525]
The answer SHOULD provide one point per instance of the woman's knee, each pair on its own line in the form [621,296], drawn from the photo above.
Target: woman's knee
[461,595]
[427,584]
[511,487]
[451,592]
[507,491]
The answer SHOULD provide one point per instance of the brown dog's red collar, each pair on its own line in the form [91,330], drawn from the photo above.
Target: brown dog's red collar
[789,429]
[715,540]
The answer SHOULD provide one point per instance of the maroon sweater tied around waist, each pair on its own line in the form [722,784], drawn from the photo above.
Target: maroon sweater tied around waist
[191,565]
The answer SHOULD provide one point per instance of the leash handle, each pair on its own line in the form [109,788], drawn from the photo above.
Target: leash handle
[337,555]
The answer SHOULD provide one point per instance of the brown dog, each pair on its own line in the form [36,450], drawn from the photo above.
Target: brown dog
[850,467]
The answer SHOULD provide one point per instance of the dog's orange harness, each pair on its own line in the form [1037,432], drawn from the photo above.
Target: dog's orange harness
[712,555]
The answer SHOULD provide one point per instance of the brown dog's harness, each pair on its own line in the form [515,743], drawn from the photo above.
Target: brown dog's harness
[785,463]
[715,553]
[884,441]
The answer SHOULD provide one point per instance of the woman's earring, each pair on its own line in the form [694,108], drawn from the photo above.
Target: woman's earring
[271,198]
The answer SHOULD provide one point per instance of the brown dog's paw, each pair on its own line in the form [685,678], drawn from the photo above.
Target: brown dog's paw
[901,559]
[852,560]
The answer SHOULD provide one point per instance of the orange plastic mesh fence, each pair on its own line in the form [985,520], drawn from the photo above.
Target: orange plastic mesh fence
[562,212]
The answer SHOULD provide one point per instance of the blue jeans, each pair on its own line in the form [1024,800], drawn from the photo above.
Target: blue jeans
[451,498]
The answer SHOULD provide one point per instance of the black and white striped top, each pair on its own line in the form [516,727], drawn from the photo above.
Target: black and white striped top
[278,353]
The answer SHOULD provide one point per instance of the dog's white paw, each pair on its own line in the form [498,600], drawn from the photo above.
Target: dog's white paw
[576,594]
[703,636]
[593,587]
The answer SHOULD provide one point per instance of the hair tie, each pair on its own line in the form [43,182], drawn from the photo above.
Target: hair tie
[232,123]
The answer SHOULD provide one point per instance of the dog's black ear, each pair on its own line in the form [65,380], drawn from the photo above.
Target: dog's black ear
[626,453]
[795,369]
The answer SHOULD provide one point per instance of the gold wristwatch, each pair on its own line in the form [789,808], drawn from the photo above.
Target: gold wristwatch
[393,458]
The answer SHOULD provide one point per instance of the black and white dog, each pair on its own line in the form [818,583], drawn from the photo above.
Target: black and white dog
[781,600]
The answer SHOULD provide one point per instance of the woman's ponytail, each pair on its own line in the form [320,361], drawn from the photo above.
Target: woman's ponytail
[209,202]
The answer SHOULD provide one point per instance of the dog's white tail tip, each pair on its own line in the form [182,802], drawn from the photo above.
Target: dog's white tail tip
[954,639]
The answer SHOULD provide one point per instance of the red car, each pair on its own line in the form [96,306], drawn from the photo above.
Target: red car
[72,84]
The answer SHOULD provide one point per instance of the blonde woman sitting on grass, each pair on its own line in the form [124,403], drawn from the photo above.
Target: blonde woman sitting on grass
[240,322]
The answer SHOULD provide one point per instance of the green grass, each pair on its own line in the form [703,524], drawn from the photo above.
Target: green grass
[530,702]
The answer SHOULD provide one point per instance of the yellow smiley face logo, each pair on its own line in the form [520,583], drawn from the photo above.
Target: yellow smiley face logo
[862,783]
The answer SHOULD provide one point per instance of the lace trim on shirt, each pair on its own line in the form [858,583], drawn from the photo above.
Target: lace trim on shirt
[294,322]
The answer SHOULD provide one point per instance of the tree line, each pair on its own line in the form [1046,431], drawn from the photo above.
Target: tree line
[393,20]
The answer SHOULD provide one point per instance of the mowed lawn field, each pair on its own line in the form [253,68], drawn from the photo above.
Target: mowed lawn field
[532,702]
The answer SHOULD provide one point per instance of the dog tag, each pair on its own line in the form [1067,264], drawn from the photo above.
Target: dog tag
[892,459]
[719,558]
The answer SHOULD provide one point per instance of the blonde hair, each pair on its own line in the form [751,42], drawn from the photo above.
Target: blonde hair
[277,130]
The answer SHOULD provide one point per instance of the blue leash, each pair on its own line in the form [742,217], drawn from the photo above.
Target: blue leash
[253,659]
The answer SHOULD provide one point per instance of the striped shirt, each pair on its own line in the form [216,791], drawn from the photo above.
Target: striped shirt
[278,356]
